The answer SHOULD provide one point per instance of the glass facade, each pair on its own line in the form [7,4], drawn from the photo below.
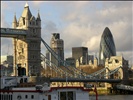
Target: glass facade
[107,46]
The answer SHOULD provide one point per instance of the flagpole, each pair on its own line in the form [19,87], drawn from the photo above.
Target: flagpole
[95,90]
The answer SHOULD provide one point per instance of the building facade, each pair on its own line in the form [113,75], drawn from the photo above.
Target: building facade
[57,46]
[107,46]
[80,54]
[115,62]
[27,49]
[91,59]
[70,62]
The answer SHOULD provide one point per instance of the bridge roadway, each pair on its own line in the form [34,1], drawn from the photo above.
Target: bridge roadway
[12,33]
[84,80]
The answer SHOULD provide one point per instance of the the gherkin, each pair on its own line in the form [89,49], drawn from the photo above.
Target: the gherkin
[107,46]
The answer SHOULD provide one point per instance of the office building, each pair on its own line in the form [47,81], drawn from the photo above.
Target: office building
[57,46]
[80,54]
[107,46]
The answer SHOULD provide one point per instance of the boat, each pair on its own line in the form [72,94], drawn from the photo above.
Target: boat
[21,88]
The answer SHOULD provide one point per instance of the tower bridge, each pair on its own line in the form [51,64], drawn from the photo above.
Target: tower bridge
[78,76]
[26,34]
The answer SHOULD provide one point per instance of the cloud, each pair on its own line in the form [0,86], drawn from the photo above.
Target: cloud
[82,23]
[92,44]
[85,28]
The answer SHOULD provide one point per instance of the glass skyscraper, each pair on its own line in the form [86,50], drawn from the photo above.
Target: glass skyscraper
[107,46]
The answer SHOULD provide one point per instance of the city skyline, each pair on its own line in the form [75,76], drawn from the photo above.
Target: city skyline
[79,23]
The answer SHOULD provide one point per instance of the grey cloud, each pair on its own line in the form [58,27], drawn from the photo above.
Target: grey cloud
[84,22]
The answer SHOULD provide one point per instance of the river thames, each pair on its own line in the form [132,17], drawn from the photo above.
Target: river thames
[113,97]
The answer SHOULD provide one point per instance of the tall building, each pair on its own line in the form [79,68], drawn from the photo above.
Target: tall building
[57,46]
[107,46]
[27,49]
[80,54]
[8,59]
[8,63]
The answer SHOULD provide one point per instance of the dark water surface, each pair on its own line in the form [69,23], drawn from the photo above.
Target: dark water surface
[113,97]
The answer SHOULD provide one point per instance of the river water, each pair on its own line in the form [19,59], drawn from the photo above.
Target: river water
[113,97]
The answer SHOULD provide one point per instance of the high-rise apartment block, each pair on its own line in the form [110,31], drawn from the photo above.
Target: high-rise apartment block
[57,46]
[107,46]
[80,54]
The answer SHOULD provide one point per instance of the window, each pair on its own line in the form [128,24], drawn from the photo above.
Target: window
[20,45]
[22,50]
[32,96]
[11,97]
[33,23]
[26,96]
[69,94]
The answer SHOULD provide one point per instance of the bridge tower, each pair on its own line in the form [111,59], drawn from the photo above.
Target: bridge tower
[27,49]
[121,73]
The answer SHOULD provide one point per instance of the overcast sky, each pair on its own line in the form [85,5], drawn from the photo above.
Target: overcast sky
[80,23]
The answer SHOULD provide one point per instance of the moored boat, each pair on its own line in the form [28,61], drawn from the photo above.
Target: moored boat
[19,88]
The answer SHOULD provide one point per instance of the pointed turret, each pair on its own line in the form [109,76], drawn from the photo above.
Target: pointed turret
[26,15]
[15,19]
[26,12]
[38,17]
[26,5]
[38,20]
[14,24]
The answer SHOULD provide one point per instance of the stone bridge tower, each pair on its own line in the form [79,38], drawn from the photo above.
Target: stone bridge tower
[27,49]
[115,62]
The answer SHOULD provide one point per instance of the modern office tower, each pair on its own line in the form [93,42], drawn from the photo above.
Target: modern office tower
[57,46]
[80,54]
[107,46]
